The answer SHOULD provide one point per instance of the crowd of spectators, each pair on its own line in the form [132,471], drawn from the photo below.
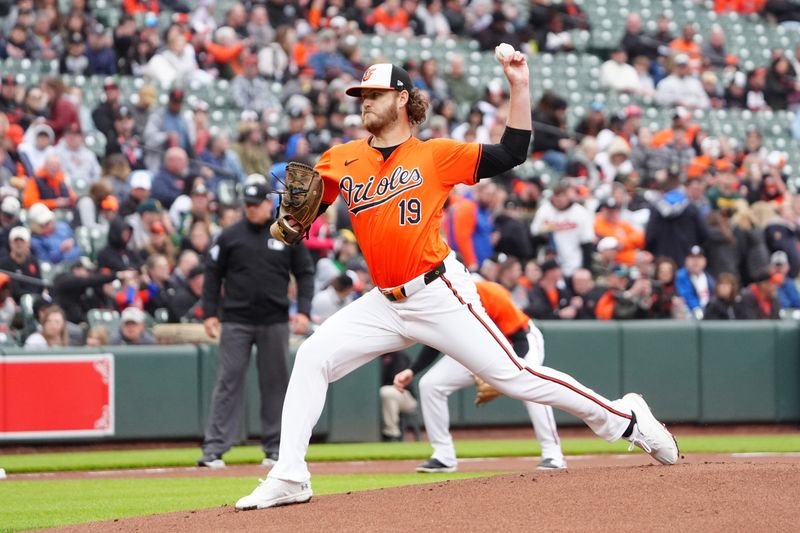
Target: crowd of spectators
[632,223]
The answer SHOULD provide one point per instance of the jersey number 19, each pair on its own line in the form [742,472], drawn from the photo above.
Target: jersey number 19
[410,211]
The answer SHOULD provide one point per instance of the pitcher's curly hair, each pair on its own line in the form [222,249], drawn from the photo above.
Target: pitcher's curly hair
[417,106]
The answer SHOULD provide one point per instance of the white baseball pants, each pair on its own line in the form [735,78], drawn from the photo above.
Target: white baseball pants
[447,315]
[448,376]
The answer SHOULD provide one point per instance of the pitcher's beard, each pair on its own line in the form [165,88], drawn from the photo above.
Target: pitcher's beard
[378,124]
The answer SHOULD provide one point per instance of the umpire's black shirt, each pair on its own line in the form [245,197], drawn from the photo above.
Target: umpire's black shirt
[253,271]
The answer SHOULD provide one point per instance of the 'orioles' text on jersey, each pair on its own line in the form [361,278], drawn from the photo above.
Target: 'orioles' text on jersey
[396,205]
[500,307]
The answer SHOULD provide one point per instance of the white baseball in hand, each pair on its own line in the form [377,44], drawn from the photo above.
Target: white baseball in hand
[503,51]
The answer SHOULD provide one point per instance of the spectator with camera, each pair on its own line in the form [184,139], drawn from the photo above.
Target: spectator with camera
[628,295]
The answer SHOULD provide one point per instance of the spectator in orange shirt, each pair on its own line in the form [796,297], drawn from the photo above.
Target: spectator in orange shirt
[132,7]
[607,223]
[390,17]
[685,44]
[226,52]
[48,186]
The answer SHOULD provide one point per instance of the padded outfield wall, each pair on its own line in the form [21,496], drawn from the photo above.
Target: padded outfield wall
[689,372]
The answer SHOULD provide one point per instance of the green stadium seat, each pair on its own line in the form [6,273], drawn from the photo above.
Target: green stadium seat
[103,317]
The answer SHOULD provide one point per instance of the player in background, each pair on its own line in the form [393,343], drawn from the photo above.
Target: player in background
[394,187]
[447,376]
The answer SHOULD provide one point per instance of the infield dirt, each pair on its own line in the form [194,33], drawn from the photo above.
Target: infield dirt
[600,493]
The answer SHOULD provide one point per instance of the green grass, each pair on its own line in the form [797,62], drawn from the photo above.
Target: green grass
[53,462]
[39,504]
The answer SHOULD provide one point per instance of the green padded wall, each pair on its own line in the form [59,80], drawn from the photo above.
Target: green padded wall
[661,360]
[589,351]
[738,371]
[787,371]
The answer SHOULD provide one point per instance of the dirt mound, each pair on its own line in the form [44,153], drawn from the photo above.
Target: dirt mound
[696,496]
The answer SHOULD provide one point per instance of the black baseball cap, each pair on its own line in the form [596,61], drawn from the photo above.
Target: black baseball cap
[255,193]
[382,76]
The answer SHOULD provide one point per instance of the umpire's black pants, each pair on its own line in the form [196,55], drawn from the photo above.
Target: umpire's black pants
[227,402]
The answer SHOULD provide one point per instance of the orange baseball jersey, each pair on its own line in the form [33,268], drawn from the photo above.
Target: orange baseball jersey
[500,307]
[396,205]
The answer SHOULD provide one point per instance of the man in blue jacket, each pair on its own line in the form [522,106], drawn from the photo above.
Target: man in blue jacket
[693,284]
[787,291]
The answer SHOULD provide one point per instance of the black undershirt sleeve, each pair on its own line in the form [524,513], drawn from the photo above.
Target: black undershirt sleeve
[519,341]
[498,158]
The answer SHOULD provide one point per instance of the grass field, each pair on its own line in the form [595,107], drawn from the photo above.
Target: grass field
[56,462]
[39,504]
[47,503]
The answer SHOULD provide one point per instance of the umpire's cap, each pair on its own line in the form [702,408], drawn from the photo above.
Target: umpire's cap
[255,193]
[382,76]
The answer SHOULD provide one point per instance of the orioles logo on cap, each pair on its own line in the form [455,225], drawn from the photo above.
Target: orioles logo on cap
[368,74]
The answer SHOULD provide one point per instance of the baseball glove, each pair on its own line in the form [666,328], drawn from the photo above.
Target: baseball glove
[299,203]
[484,392]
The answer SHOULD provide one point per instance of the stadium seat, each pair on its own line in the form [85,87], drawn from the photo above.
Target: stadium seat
[103,317]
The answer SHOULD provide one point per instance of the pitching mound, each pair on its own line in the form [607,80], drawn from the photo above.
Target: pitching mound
[697,496]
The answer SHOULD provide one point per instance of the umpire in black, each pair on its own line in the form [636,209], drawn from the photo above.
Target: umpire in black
[245,288]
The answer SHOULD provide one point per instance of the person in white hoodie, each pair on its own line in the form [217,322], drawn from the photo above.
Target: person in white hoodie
[37,144]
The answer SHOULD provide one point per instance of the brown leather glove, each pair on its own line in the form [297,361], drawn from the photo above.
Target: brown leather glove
[483,391]
[299,203]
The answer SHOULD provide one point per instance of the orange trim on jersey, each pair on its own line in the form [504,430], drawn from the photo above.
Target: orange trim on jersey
[529,369]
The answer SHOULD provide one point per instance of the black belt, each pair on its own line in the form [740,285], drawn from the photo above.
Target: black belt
[398,294]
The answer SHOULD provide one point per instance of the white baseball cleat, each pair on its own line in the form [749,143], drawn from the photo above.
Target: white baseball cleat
[273,492]
[552,464]
[649,434]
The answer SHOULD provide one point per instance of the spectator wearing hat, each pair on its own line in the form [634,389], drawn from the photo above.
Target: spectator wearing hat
[254,310]
[10,100]
[623,299]
[787,291]
[608,223]
[79,164]
[117,255]
[105,113]
[594,121]
[614,162]
[123,139]
[681,88]
[568,227]
[96,209]
[760,299]
[132,329]
[168,182]
[148,212]
[193,206]
[186,304]
[20,260]
[52,240]
[338,294]
[693,283]
[251,91]
[80,289]
[74,62]
[102,61]
[550,298]
[616,74]
[167,129]
[160,243]
[222,162]
[9,219]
